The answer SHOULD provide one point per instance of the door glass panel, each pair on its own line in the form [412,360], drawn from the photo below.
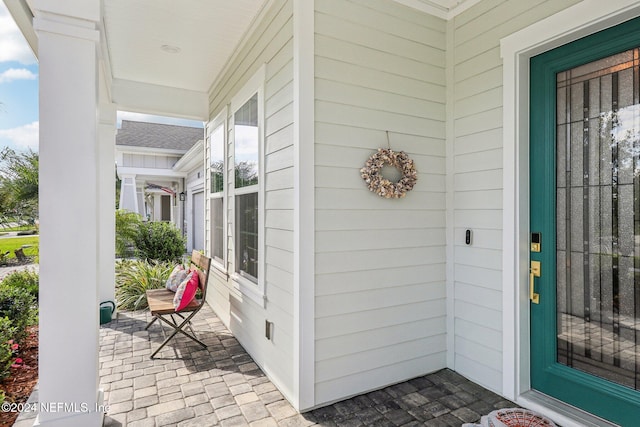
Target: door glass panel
[598,218]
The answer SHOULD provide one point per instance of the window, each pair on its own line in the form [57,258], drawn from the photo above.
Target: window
[246,144]
[247,251]
[246,157]
[217,160]
[237,190]
[217,164]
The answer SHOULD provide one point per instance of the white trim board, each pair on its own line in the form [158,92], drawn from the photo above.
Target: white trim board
[304,204]
[442,9]
[575,22]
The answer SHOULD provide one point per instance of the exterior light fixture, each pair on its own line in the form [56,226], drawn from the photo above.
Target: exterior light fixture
[183,196]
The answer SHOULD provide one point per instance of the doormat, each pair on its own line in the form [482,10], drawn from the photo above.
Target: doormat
[513,417]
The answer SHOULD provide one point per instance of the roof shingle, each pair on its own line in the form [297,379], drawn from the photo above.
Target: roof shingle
[154,135]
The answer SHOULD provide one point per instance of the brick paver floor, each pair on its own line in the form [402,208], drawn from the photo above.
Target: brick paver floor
[222,386]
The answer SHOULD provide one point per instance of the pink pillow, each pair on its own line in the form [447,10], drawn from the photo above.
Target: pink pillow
[186,291]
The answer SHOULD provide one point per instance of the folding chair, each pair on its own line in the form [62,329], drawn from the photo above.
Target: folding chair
[161,304]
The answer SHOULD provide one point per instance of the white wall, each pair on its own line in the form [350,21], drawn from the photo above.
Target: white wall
[380,264]
[148,161]
[269,43]
[382,314]
[477,147]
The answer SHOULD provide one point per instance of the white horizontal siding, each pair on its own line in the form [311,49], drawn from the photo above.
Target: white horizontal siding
[353,219]
[148,161]
[380,276]
[270,43]
[404,368]
[362,240]
[342,345]
[477,179]
[357,322]
[372,279]
[195,176]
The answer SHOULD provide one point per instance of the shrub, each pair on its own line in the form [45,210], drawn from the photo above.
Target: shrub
[7,332]
[25,279]
[133,278]
[160,241]
[19,306]
[127,224]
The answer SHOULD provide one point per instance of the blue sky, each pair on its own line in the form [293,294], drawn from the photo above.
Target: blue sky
[19,91]
[18,88]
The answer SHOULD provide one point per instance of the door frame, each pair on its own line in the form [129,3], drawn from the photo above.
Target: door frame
[575,22]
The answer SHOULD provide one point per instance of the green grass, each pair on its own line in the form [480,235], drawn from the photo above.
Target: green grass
[4,228]
[12,243]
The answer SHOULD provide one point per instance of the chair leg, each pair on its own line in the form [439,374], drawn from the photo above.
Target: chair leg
[177,328]
[151,322]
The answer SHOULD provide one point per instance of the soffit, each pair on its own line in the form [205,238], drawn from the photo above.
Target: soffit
[206,34]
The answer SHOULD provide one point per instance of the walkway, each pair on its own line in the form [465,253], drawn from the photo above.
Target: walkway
[222,386]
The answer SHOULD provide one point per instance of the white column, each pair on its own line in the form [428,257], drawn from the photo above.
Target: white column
[106,201]
[142,205]
[68,39]
[129,194]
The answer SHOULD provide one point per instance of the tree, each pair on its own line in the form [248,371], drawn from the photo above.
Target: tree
[118,188]
[246,174]
[19,185]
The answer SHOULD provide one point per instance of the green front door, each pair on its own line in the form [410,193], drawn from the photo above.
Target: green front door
[585,205]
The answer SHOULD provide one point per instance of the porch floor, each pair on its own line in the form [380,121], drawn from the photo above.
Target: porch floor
[222,386]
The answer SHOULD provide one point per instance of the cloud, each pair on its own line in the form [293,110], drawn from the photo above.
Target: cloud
[16,74]
[23,137]
[13,46]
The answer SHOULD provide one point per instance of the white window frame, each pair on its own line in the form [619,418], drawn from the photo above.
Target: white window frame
[219,121]
[255,85]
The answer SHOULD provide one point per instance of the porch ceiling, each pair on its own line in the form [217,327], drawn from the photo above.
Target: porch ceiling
[162,56]
[161,50]
[142,37]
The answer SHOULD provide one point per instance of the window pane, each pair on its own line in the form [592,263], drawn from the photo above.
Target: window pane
[217,231]
[247,235]
[217,160]
[246,143]
[597,215]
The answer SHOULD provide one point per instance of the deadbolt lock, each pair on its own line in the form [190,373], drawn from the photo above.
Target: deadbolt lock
[534,271]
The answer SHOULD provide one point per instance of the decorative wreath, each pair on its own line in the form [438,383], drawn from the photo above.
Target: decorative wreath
[372,173]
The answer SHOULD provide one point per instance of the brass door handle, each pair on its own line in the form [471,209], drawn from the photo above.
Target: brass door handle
[534,272]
